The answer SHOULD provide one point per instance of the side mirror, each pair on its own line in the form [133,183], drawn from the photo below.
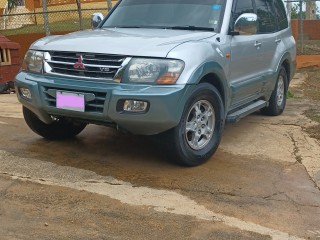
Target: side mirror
[246,24]
[96,19]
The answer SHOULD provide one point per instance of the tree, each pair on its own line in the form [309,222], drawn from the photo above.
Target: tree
[311,10]
[295,12]
[12,4]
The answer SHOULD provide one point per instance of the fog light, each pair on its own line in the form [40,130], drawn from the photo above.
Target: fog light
[25,92]
[135,106]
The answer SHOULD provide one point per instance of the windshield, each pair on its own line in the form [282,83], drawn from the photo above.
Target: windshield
[202,15]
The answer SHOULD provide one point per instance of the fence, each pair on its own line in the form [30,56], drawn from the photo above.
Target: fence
[305,25]
[28,21]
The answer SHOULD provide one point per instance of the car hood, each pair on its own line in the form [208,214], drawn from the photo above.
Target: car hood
[129,42]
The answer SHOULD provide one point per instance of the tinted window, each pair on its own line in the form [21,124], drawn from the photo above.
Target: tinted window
[266,19]
[167,13]
[243,6]
[281,14]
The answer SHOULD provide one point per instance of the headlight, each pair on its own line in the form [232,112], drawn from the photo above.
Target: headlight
[33,61]
[152,71]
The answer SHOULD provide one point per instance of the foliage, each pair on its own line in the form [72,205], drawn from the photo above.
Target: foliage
[12,4]
[295,11]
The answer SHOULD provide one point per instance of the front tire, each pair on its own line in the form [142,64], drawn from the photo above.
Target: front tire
[199,131]
[278,99]
[58,130]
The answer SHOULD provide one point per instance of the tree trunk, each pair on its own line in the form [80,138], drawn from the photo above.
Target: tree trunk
[45,17]
[80,14]
[109,5]
[311,10]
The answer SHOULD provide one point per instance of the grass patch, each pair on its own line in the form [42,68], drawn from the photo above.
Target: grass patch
[63,26]
[290,95]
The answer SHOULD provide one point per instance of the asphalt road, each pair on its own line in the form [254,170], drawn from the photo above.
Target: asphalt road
[263,183]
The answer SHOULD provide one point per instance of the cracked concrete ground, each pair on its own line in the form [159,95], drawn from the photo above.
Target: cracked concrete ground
[263,183]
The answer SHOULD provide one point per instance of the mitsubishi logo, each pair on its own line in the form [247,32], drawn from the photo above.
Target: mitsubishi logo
[79,63]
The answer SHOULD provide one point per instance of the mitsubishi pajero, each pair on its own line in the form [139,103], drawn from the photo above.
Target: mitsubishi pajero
[176,68]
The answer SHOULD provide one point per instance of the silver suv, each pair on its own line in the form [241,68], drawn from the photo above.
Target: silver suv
[179,69]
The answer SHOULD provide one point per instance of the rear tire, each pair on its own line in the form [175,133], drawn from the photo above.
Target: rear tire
[198,134]
[278,99]
[58,130]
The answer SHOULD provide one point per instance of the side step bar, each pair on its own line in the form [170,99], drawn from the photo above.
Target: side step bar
[236,116]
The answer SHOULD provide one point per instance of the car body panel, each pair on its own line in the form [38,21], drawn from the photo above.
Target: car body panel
[120,41]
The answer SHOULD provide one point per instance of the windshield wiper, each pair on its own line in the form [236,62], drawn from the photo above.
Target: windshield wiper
[137,26]
[192,28]
[123,26]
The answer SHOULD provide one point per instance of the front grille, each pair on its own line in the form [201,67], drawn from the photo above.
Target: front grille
[102,66]
[96,105]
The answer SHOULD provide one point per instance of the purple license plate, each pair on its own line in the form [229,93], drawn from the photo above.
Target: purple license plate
[70,101]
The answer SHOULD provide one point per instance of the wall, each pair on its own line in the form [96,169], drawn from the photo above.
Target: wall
[311,29]
[28,39]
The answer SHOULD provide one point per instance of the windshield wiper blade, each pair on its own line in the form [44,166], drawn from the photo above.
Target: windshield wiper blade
[192,28]
[129,26]
[123,26]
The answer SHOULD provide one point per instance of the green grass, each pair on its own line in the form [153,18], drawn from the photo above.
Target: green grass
[290,95]
[63,26]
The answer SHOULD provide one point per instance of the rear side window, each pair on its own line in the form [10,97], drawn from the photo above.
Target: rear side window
[266,18]
[281,14]
[243,6]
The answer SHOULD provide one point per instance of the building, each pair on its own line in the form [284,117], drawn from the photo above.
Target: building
[10,62]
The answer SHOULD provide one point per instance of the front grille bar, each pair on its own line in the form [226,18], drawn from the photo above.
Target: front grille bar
[93,66]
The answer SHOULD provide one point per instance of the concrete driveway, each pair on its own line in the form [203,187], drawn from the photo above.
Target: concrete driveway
[263,183]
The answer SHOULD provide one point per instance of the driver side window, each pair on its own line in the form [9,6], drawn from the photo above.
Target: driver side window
[247,24]
[242,6]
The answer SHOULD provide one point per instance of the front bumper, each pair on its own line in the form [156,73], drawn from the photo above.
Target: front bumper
[166,103]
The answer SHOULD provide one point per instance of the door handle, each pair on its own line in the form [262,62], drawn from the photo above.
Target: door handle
[257,44]
[278,41]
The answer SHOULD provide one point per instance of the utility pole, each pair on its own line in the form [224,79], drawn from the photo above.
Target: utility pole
[311,10]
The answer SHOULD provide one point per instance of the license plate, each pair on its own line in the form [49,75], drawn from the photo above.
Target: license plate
[70,101]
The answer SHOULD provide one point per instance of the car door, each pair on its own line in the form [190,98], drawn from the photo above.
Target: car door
[246,64]
[268,30]
[277,42]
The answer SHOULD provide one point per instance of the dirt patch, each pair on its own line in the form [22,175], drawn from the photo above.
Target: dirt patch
[310,47]
[312,84]
[307,61]
[311,90]
[314,131]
